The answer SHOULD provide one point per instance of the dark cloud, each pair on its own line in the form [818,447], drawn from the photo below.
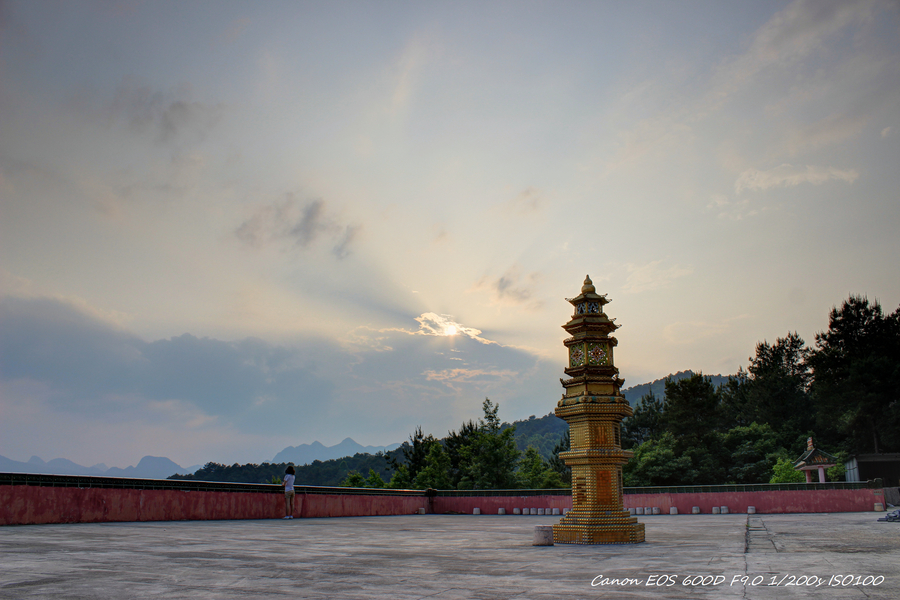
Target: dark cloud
[342,248]
[310,224]
[93,367]
[303,224]
[169,115]
[511,288]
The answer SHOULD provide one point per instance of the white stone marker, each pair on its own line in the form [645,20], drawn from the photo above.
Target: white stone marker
[631,511]
[716,510]
[879,507]
[543,535]
[555,511]
[751,510]
[695,510]
[639,510]
[673,510]
[476,511]
[723,510]
[422,511]
[565,511]
[655,510]
[517,511]
[532,511]
[501,511]
[541,511]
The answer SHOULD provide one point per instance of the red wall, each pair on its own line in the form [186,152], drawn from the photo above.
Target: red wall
[775,501]
[31,504]
[27,504]
[489,505]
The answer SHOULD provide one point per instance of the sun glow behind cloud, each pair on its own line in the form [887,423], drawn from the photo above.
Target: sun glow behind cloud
[443,325]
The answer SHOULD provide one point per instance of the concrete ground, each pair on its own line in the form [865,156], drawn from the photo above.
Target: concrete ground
[438,556]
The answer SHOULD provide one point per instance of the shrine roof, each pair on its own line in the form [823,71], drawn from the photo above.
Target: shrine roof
[813,458]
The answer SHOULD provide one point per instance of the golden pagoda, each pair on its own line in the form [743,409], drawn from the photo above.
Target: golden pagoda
[594,409]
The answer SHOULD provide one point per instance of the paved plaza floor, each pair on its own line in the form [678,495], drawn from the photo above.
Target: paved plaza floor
[821,556]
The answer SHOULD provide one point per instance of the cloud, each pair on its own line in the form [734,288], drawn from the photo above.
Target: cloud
[526,202]
[91,366]
[303,224]
[791,35]
[425,371]
[342,247]
[652,276]
[61,366]
[778,52]
[443,325]
[885,132]
[831,130]
[235,30]
[452,378]
[169,115]
[511,289]
[408,67]
[788,175]
[690,332]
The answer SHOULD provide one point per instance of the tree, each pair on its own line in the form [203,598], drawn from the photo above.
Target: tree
[645,423]
[535,473]
[856,377]
[489,459]
[354,479]
[752,453]
[415,458]
[692,416]
[557,464]
[733,402]
[453,445]
[374,480]
[656,462]
[436,473]
[776,390]
[691,410]
[784,472]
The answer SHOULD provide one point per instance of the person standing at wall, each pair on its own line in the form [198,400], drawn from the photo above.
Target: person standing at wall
[288,485]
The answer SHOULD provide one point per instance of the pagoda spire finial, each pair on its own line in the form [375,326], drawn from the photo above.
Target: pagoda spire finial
[588,287]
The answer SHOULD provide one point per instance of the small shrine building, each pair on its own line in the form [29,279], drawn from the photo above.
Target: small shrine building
[814,460]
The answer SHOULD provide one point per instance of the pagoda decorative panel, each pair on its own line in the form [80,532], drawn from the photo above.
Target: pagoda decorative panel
[594,409]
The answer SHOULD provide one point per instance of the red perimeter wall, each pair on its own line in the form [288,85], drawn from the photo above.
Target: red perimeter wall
[31,504]
[773,501]
[27,505]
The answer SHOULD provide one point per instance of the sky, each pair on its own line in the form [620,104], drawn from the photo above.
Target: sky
[231,227]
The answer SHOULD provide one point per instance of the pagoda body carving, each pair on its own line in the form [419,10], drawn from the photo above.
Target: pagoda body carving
[594,409]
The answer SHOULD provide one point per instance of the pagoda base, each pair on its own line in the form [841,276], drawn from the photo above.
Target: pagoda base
[615,528]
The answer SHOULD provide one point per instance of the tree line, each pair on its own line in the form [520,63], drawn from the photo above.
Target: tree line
[843,392]
[534,438]
[479,455]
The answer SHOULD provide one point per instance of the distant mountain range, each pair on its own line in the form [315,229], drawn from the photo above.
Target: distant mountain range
[150,467]
[306,453]
[157,467]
